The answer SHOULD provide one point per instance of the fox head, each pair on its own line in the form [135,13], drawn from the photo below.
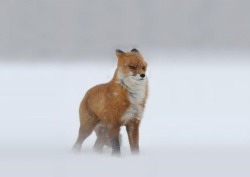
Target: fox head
[131,66]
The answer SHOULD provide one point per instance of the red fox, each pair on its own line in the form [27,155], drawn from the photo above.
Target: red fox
[120,102]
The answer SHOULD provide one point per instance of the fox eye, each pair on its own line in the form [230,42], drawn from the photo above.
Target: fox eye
[143,68]
[132,67]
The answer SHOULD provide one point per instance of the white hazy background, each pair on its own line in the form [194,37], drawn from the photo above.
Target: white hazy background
[197,119]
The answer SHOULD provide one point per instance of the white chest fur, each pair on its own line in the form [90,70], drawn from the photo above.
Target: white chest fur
[137,93]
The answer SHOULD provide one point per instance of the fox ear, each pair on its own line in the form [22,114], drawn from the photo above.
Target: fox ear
[119,52]
[135,50]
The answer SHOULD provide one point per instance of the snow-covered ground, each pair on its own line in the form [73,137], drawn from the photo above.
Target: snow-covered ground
[197,120]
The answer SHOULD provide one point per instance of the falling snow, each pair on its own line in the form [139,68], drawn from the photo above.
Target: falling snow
[196,121]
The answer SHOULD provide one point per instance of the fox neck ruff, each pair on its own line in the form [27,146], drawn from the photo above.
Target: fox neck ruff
[137,92]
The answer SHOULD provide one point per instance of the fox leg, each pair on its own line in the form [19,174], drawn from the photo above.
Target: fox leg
[132,128]
[114,133]
[102,137]
[88,124]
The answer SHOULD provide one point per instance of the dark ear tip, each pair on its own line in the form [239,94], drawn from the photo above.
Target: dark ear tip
[134,50]
[118,51]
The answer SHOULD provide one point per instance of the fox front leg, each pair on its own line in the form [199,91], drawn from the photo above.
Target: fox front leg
[132,128]
[114,133]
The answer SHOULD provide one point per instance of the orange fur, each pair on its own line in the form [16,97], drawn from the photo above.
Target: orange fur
[120,102]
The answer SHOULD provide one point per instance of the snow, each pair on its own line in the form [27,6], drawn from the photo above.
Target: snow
[196,121]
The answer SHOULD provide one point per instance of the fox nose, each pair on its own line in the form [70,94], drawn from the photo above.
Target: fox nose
[142,75]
